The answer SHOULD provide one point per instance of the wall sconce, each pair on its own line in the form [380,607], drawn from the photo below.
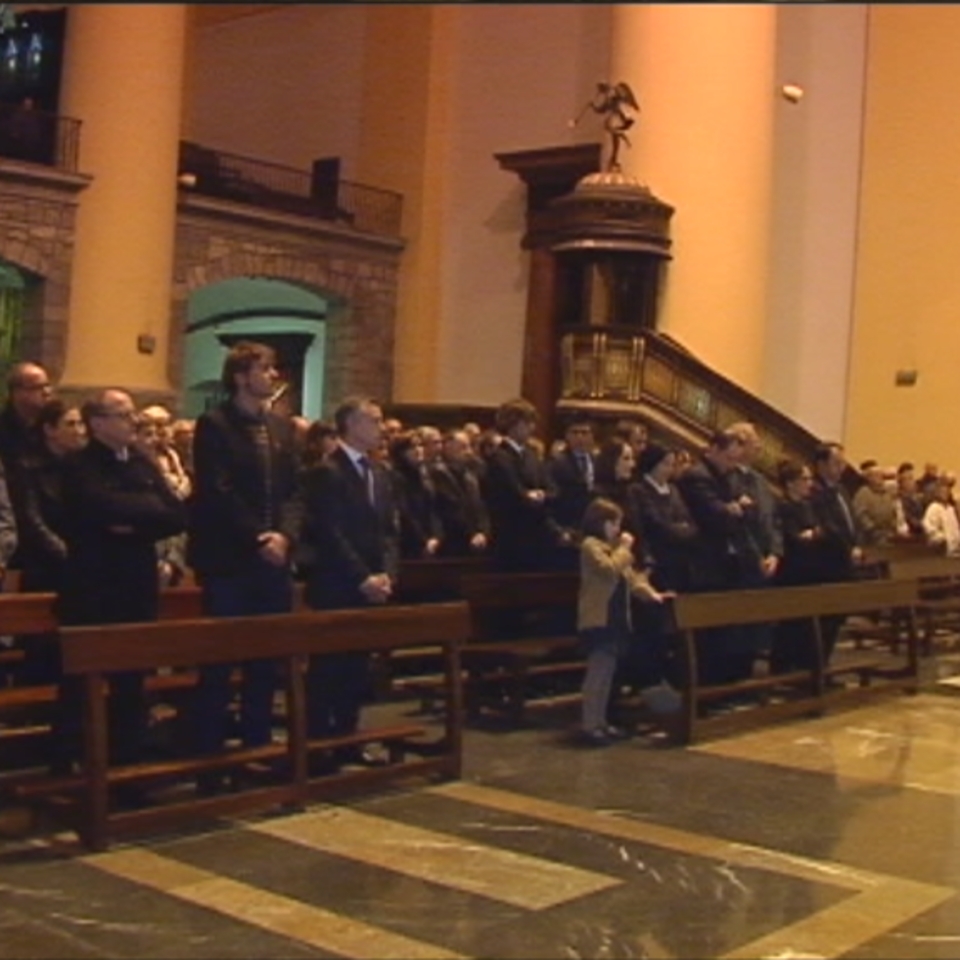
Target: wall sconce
[792,92]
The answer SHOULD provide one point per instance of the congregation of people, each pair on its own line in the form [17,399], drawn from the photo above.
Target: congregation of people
[105,505]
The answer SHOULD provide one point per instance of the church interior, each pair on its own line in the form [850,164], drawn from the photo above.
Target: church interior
[417,202]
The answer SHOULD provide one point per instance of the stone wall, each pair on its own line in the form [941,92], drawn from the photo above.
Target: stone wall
[215,241]
[355,273]
[38,207]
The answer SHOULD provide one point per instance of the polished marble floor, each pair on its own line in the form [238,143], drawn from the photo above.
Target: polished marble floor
[829,837]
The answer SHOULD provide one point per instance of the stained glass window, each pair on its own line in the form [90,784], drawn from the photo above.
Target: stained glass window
[12,299]
[35,51]
[11,52]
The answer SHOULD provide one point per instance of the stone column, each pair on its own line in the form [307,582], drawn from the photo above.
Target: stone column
[122,78]
[704,76]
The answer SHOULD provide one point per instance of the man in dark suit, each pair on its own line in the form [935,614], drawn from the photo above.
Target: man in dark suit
[571,472]
[460,506]
[116,507]
[349,545]
[244,521]
[725,558]
[526,538]
[28,389]
[838,550]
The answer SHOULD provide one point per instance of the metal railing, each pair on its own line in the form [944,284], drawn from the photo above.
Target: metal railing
[229,176]
[39,137]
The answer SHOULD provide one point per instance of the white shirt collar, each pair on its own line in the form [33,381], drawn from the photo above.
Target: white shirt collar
[656,484]
[513,443]
[354,454]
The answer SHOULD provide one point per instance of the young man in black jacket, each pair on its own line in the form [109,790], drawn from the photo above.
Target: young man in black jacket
[244,521]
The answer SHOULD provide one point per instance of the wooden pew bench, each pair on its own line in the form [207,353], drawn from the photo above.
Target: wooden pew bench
[435,580]
[25,710]
[280,772]
[801,692]
[522,635]
[939,603]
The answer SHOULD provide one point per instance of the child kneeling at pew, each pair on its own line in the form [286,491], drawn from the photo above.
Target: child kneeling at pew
[607,580]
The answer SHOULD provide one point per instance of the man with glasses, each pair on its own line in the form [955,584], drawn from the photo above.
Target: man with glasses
[117,506]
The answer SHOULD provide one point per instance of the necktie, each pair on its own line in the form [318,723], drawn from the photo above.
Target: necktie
[586,470]
[367,475]
[846,513]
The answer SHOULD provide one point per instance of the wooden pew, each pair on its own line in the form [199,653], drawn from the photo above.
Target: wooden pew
[437,578]
[418,669]
[26,614]
[939,603]
[499,669]
[807,691]
[24,709]
[93,653]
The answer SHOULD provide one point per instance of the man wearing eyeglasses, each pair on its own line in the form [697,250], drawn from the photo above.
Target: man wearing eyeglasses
[117,506]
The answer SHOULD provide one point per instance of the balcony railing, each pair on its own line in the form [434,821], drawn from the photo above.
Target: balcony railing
[617,365]
[229,176]
[39,137]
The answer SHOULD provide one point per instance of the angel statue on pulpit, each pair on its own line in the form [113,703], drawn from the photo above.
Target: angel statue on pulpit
[614,102]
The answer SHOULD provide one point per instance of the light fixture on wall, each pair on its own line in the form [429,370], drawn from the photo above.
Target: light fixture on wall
[792,92]
[187,180]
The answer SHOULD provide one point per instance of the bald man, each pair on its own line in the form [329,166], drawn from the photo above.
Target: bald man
[117,506]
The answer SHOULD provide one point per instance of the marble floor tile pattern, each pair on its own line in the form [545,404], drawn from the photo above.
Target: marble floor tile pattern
[822,838]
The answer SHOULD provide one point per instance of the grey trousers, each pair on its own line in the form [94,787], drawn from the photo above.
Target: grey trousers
[601,666]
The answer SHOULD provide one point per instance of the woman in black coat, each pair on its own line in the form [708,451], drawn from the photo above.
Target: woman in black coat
[647,662]
[37,486]
[667,529]
[612,477]
[420,531]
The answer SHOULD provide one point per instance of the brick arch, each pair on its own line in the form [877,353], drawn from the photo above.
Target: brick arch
[25,255]
[48,268]
[313,274]
[358,280]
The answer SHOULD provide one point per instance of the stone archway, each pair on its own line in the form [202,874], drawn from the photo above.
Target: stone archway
[356,273]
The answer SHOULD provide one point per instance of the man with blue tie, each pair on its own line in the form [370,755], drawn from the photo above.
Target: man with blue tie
[571,472]
[349,554]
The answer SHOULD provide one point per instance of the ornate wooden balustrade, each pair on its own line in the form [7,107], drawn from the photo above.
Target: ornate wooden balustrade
[618,371]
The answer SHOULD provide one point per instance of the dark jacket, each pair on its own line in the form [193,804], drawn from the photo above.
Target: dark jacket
[761,518]
[414,500]
[228,509]
[725,558]
[115,511]
[344,538]
[840,533]
[525,535]
[17,440]
[801,556]
[460,507]
[668,533]
[40,506]
[573,494]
